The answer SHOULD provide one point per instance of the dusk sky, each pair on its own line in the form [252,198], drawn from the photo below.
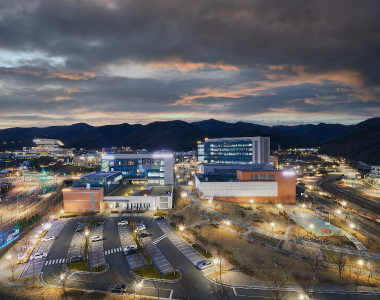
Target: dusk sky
[120,61]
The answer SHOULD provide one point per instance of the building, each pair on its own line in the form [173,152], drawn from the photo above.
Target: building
[83,199]
[48,147]
[375,171]
[231,169]
[140,197]
[109,181]
[87,159]
[259,186]
[244,150]
[141,168]
[274,161]
[6,157]
[188,155]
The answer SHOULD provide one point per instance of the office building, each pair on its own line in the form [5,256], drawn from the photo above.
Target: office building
[110,181]
[86,159]
[375,171]
[244,150]
[140,168]
[83,199]
[259,186]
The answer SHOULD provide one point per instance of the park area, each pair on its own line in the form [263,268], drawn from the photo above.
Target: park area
[315,225]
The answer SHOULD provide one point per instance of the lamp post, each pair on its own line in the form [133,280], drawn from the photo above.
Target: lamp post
[184,194]
[303,206]
[311,226]
[181,228]
[344,203]
[272,224]
[250,203]
[228,223]
[360,263]
[279,207]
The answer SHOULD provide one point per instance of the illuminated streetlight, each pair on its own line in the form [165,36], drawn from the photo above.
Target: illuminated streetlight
[344,203]
[272,224]
[9,256]
[183,195]
[352,226]
[302,297]
[338,211]
[181,228]
[360,262]
[210,201]
[62,211]
[228,223]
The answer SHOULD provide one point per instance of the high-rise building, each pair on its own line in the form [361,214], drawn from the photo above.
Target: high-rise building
[244,150]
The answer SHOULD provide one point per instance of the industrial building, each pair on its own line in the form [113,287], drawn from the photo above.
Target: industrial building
[243,150]
[259,186]
[48,147]
[83,199]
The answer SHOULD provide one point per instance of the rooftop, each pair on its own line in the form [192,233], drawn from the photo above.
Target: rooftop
[216,178]
[101,174]
[141,190]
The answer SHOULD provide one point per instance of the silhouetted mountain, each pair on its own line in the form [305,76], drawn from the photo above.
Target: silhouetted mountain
[360,142]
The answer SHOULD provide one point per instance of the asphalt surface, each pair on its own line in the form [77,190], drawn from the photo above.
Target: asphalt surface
[117,261]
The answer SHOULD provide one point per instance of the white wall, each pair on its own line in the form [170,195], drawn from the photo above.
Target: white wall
[156,202]
[237,189]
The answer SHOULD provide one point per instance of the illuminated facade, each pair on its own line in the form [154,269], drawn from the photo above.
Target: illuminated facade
[245,150]
[151,168]
[109,181]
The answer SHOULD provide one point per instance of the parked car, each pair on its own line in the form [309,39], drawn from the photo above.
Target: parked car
[160,217]
[130,247]
[140,227]
[143,234]
[80,229]
[122,223]
[204,264]
[131,251]
[74,259]
[98,224]
[118,288]
[96,238]
[38,255]
[48,238]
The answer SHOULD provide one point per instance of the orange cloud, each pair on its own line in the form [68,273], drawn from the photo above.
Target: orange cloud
[80,75]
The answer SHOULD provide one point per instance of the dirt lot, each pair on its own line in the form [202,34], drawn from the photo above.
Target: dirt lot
[261,265]
[299,249]
[226,208]
[187,217]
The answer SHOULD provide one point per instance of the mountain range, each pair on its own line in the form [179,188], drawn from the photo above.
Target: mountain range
[359,142]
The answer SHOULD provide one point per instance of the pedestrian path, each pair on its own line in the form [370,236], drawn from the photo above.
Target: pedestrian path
[191,254]
[135,261]
[33,267]
[159,239]
[115,250]
[54,261]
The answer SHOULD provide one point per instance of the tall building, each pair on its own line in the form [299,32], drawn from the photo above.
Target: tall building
[244,150]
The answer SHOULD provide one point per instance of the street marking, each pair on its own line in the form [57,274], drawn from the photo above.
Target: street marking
[234,291]
[111,251]
[171,294]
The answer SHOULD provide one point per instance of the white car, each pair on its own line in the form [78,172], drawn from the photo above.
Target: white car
[38,255]
[122,223]
[48,238]
[131,247]
[140,227]
[204,264]
[96,238]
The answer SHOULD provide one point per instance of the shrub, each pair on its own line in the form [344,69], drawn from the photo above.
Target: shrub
[159,213]
[114,211]
[69,216]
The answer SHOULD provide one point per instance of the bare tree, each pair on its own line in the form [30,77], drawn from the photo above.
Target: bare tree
[136,285]
[150,249]
[12,265]
[221,255]
[293,247]
[276,287]
[341,262]
[315,260]
[174,261]
[120,213]
[159,286]
[60,276]
[86,278]
[112,276]
[371,269]
[305,284]
[219,291]
[187,286]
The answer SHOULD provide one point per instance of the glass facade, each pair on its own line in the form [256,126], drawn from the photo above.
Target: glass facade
[110,182]
[137,168]
[226,152]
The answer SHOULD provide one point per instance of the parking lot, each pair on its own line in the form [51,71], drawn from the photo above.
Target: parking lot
[182,246]
[35,266]
[77,243]
[96,248]
[135,261]
[159,261]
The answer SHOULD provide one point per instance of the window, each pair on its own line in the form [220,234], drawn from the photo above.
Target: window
[262,176]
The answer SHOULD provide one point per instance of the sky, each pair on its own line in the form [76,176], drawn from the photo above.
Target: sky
[122,61]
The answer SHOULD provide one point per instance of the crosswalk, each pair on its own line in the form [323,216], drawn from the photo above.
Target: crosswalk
[54,261]
[159,239]
[115,250]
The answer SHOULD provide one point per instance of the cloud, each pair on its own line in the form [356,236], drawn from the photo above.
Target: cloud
[139,61]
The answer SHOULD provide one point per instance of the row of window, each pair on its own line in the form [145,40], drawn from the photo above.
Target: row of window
[262,176]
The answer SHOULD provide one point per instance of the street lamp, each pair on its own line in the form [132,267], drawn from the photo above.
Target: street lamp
[311,226]
[352,226]
[210,201]
[183,195]
[250,203]
[62,211]
[303,206]
[272,224]
[344,203]
[181,228]
[228,223]
[9,256]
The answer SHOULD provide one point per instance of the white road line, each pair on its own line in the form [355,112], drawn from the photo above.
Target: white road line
[234,291]
[46,263]
[105,253]
[111,251]
[49,262]
[171,294]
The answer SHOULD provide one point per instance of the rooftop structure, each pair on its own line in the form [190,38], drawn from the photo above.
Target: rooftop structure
[110,181]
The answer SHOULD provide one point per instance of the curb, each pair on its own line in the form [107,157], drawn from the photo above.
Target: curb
[157,279]
[64,267]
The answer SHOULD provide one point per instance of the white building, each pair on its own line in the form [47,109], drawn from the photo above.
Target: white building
[375,171]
